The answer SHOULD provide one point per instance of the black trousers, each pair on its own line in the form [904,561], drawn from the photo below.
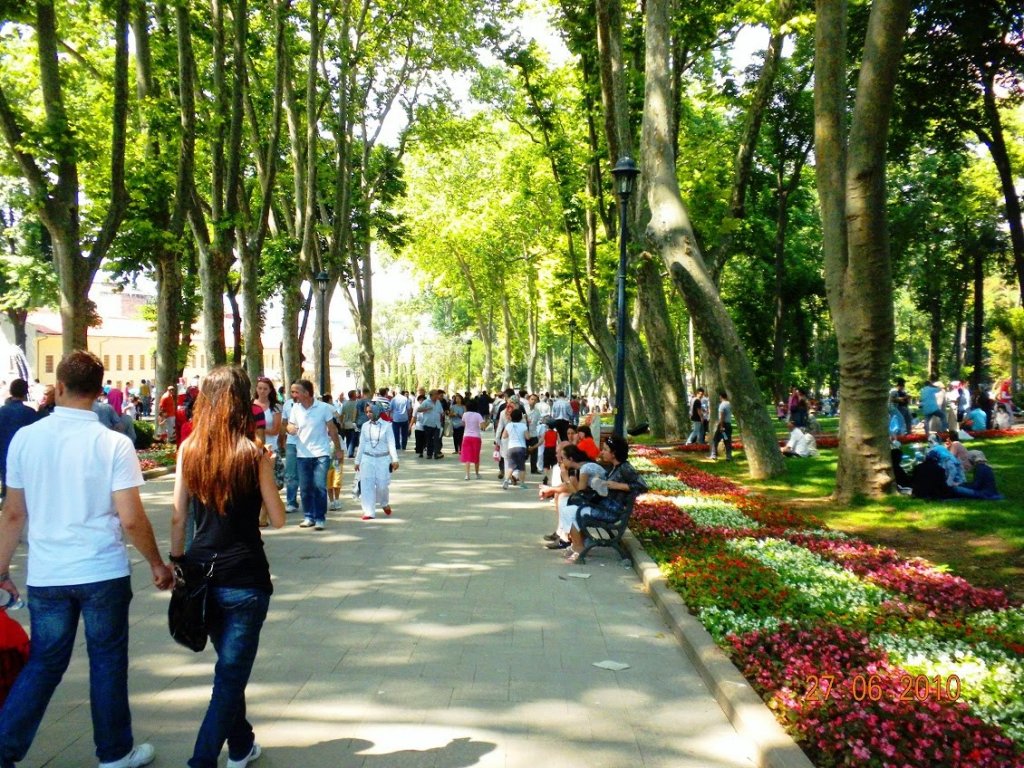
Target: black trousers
[432,436]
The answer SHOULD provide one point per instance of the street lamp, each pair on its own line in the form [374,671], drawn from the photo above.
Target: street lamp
[322,280]
[469,374]
[572,350]
[625,173]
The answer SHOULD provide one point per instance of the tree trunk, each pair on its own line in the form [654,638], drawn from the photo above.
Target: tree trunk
[671,398]
[978,324]
[646,394]
[291,345]
[549,370]
[779,331]
[532,327]
[996,142]
[508,330]
[168,323]
[323,317]
[18,319]
[487,335]
[167,215]
[669,233]
[237,350]
[934,339]
[253,322]
[851,190]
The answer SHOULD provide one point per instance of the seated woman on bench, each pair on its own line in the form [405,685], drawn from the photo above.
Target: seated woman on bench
[617,492]
[579,471]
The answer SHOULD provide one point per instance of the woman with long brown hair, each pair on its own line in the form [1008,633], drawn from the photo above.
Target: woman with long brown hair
[223,479]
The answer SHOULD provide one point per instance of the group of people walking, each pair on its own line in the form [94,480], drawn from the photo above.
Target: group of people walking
[73,491]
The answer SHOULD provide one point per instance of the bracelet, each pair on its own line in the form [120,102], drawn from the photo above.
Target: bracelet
[176,558]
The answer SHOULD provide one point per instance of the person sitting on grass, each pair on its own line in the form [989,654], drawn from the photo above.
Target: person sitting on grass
[801,443]
[976,419]
[983,486]
[955,447]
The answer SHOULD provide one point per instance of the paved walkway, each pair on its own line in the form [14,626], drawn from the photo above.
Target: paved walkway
[445,636]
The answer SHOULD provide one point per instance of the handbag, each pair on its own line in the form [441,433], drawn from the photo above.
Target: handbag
[588,497]
[187,612]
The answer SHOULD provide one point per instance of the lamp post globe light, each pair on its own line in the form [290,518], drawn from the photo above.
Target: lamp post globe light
[322,279]
[625,173]
[469,373]
[572,351]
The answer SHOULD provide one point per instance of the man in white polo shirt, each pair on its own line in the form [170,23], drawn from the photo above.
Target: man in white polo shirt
[76,484]
[311,422]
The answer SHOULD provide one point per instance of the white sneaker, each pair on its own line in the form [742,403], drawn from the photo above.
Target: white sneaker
[253,756]
[318,527]
[505,484]
[143,754]
[289,509]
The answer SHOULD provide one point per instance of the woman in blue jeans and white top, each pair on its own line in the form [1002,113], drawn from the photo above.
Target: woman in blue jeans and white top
[224,477]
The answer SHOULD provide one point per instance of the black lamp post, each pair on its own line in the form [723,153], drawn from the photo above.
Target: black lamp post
[572,351]
[469,373]
[625,173]
[321,283]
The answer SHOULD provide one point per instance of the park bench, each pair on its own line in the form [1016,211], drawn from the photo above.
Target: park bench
[606,533]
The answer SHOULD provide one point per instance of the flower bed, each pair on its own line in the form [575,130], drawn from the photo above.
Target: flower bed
[156,457]
[866,657]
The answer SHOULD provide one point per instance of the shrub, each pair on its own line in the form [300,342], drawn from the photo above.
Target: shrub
[144,431]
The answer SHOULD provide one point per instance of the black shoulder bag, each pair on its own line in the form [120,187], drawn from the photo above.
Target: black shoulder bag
[186,615]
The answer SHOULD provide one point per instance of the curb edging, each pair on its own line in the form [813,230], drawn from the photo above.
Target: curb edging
[156,472]
[749,715]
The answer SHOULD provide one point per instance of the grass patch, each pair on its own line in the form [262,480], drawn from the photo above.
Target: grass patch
[982,541]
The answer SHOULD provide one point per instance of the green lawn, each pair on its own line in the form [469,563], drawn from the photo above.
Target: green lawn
[983,541]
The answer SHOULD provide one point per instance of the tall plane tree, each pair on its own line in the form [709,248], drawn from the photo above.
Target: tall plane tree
[670,233]
[49,159]
[850,157]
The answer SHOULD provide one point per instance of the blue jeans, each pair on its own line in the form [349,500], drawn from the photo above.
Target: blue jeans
[291,476]
[54,615]
[401,430]
[238,615]
[313,485]
[723,433]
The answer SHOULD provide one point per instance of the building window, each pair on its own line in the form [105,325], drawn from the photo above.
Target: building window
[153,366]
[131,363]
[106,362]
[49,363]
[119,367]
[142,362]
[194,360]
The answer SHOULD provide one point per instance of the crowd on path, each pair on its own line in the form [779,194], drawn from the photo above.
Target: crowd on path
[71,480]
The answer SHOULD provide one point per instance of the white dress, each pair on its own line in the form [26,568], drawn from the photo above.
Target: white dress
[375,454]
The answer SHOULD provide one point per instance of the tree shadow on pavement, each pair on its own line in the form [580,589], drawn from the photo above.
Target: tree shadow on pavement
[348,753]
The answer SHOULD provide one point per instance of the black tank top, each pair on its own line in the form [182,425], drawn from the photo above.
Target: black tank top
[233,542]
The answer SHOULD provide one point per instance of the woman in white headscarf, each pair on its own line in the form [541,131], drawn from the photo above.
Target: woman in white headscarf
[376,458]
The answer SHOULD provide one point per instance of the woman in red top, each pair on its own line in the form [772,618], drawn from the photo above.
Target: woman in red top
[586,442]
